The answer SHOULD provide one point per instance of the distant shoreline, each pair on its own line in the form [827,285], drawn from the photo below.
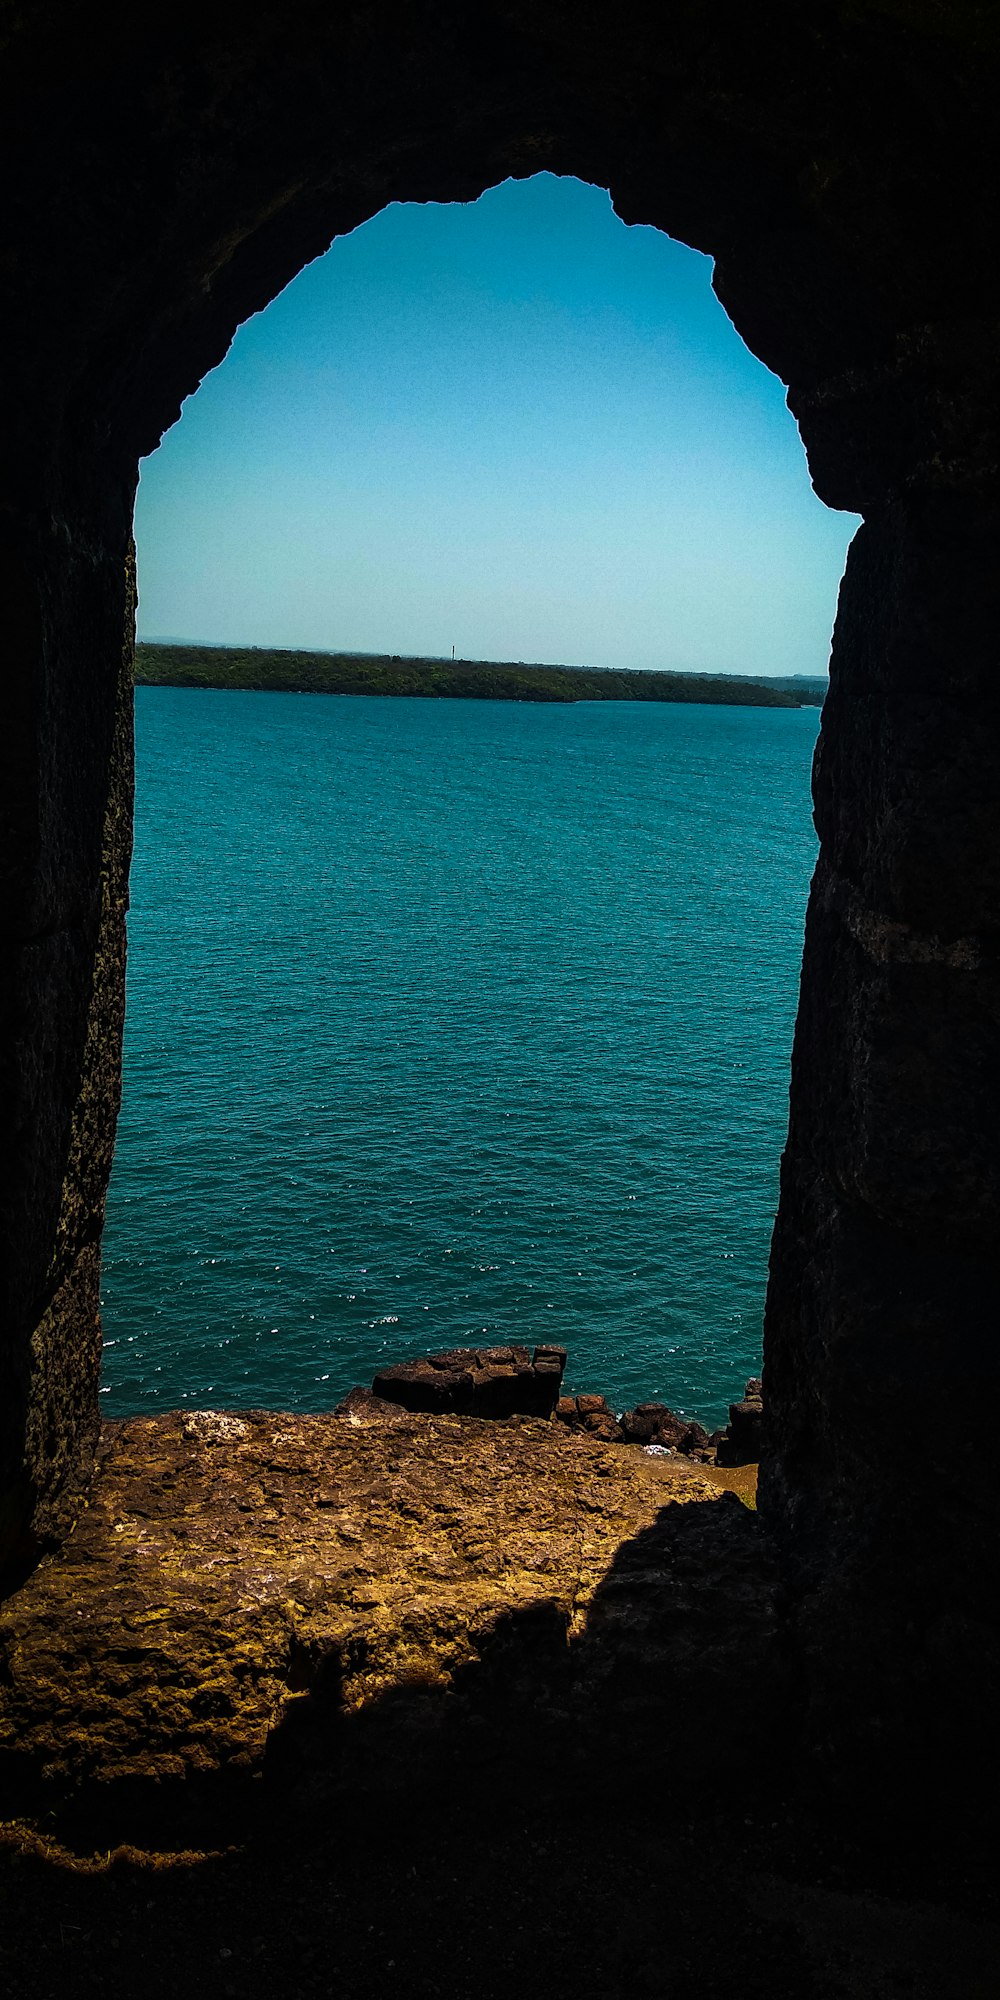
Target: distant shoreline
[276,671]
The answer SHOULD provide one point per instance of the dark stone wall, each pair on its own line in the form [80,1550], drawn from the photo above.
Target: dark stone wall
[66,748]
[838,162]
[881,1350]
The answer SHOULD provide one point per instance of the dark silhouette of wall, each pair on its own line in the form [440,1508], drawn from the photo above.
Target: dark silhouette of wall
[835,159]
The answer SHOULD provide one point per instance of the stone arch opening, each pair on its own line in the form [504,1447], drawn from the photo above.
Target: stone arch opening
[218,1279]
[167,188]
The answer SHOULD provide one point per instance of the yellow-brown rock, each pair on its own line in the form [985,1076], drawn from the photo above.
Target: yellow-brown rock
[248,1588]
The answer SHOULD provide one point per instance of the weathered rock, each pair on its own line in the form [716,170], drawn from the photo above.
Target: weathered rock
[656,1423]
[362,1406]
[434,1383]
[550,1357]
[671,1431]
[603,1424]
[590,1413]
[639,1426]
[837,164]
[742,1442]
[695,1441]
[477,1381]
[746,1421]
[242,1585]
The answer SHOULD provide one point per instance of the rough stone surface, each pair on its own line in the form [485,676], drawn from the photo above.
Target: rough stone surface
[639,1426]
[477,1381]
[67,791]
[339,1593]
[838,163]
[742,1440]
[657,1424]
[882,1293]
[592,1414]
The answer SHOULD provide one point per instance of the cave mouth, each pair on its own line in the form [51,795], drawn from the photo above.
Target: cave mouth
[589,377]
[835,164]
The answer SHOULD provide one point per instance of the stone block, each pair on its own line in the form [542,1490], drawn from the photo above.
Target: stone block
[476,1381]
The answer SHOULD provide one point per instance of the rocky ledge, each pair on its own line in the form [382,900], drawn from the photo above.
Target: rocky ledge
[314,1598]
[477,1381]
[509,1381]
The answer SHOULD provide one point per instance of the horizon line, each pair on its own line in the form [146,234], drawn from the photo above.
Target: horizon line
[469,660]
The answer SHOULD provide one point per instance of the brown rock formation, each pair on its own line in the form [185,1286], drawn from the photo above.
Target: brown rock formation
[838,163]
[589,1413]
[477,1381]
[304,1592]
[741,1442]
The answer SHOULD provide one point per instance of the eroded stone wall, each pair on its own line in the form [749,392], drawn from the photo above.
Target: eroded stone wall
[881,1351]
[836,161]
[68,741]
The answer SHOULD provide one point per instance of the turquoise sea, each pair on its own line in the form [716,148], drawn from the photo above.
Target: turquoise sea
[452,1022]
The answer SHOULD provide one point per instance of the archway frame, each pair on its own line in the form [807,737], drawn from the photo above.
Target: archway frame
[168,188]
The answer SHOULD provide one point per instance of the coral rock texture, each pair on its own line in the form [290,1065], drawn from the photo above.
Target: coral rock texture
[244,1588]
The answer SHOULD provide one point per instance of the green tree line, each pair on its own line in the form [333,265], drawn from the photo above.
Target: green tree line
[280,672]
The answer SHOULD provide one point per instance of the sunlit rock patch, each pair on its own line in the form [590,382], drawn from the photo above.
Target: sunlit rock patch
[272,1593]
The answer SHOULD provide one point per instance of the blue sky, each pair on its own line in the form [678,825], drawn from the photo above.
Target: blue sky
[513,426]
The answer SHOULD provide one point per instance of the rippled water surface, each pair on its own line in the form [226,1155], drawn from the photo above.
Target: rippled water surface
[452,1022]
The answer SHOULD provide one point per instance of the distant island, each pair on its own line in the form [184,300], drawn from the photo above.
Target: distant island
[280,672]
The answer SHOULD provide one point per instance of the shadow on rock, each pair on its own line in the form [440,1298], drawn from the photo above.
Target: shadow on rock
[676,1676]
